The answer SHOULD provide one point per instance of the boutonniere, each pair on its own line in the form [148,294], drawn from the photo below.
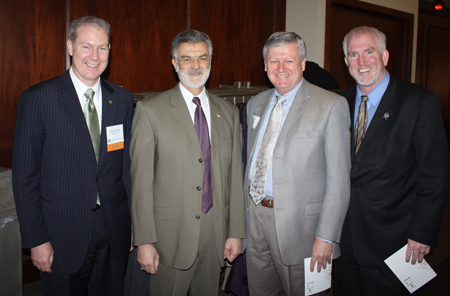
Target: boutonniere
[386,116]
[110,101]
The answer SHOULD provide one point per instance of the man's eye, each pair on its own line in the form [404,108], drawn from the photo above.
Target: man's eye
[202,59]
[187,60]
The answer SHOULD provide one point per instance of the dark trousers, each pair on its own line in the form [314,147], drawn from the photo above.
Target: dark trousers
[353,279]
[100,273]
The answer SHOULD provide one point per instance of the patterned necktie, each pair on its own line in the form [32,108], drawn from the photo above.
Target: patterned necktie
[265,153]
[201,127]
[90,114]
[361,122]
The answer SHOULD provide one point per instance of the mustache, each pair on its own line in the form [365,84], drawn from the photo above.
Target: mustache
[195,71]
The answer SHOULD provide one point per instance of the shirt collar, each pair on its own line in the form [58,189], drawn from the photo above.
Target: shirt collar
[377,93]
[290,96]
[188,96]
[81,88]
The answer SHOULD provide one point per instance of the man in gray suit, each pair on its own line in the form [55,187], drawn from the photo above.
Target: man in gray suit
[297,177]
[187,204]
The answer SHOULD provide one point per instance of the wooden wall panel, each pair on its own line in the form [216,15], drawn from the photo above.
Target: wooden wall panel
[142,32]
[238,34]
[398,27]
[31,50]
[433,62]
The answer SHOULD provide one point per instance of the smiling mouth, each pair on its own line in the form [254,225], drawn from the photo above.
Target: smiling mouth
[282,76]
[91,65]
[364,70]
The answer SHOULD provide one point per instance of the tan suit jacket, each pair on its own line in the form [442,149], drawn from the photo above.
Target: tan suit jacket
[311,169]
[167,176]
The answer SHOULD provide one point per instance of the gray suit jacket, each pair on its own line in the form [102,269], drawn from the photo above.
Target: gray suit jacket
[167,169]
[311,168]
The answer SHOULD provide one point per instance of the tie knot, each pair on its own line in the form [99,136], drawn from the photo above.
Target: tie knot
[364,98]
[281,100]
[89,94]
[196,101]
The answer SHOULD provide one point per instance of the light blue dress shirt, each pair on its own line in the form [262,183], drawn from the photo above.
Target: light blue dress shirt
[374,99]
[290,96]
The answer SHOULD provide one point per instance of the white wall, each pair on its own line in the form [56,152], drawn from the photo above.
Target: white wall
[307,18]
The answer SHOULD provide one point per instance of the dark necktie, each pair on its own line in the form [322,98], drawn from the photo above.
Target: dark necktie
[201,127]
[361,122]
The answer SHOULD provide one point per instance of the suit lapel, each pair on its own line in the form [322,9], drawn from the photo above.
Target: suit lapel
[260,111]
[216,126]
[351,98]
[68,99]
[108,109]
[299,104]
[378,125]
[181,113]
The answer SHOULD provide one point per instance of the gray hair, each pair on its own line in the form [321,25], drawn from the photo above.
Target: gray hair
[284,38]
[192,37]
[359,31]
[88,21]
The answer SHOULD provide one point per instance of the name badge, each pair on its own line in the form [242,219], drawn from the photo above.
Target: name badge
[114,137]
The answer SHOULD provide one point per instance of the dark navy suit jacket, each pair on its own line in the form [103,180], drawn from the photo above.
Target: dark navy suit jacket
[400,175]
[55,175]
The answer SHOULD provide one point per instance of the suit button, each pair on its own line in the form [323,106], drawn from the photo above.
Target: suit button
[197,217]
[200,160]
[97,179]
[199,188]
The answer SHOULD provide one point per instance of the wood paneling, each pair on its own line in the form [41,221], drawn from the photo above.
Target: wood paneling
[33,35]
[31,50]
[433,63]
[344,15]
[239,36]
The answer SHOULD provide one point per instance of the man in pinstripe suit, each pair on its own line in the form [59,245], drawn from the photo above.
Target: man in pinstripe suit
[71,175]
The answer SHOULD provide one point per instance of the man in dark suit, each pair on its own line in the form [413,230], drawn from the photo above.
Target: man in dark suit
[399,175]
[186,172]
[71,175]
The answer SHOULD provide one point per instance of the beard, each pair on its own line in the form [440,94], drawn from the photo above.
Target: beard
[183,75]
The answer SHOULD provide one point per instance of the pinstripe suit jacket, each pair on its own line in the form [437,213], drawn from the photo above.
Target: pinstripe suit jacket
[55,175]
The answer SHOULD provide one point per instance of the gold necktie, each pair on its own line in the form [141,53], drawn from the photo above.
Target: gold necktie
[90,114]
[265,153]
[361,122]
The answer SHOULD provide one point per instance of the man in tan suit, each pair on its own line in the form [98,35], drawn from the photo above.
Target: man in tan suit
[186,174]
[297,196]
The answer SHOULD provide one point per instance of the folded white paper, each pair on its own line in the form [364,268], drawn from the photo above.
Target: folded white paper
[316,282]
[412,276]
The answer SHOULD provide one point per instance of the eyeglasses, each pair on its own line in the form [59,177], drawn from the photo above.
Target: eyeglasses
[203,60]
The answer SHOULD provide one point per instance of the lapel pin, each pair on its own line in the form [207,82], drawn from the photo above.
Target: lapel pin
[386,116]
[218,114]
[110,102]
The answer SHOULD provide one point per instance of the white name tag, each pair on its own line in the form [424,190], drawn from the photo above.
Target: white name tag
[255,121]
[114,137]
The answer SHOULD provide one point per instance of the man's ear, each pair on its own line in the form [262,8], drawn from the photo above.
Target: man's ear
[69,47]
[385,57]
[174,63]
